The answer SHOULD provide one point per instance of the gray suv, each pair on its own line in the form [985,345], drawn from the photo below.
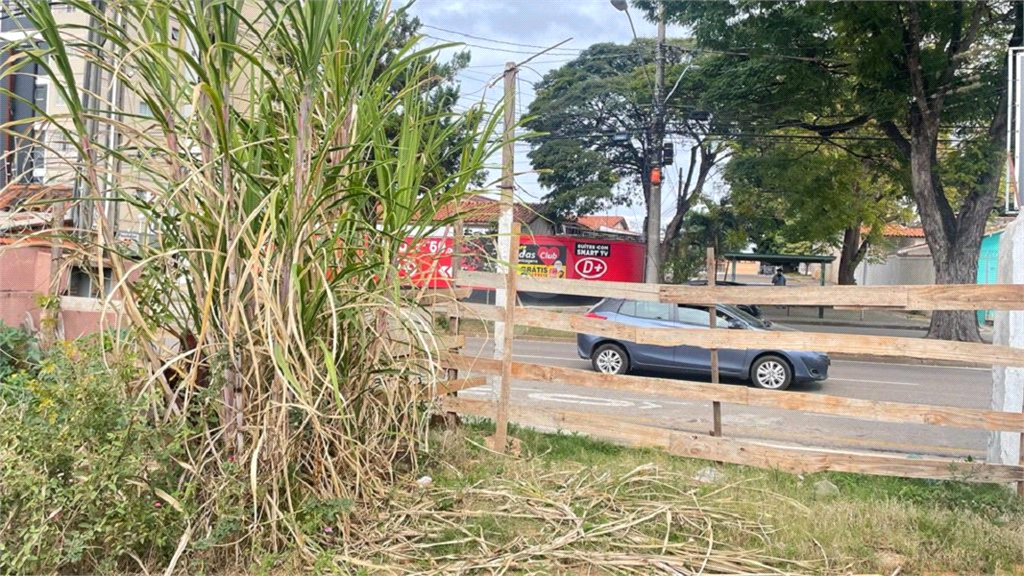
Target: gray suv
[771,369]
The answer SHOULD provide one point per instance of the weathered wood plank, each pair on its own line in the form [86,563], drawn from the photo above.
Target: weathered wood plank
[451,341]
[450,386]
[945,297]
[442,295]
[932,297]
[873,410]
[595,288]
[753,339]
[793,459]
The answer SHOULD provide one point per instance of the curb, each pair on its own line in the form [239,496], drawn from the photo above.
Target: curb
[905,360]
[847,324]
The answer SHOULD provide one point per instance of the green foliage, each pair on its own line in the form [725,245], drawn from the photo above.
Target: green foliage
[19,351]
[294,149]
[712,225]
[592,119]
[810,194]
[80,467]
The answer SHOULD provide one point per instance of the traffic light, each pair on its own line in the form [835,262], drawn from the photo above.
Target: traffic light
[667,154]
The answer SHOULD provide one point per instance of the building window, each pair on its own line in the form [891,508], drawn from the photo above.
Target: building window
[38,157]
[174,34]
[144,110]
[82,283]
[39,96]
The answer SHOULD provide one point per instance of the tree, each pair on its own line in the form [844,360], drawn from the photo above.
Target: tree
[818,195]
[924,75]
[709,225]
[592,117]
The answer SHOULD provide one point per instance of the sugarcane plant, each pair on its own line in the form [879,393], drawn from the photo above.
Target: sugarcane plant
[288,158]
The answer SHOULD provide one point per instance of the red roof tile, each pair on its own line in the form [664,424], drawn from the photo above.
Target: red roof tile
[898,231]
[487,212]
[16,195]
[597,222]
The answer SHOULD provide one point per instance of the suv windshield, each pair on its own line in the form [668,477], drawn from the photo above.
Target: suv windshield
[742,316]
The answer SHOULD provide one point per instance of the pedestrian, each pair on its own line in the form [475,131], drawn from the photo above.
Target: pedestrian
[778,279]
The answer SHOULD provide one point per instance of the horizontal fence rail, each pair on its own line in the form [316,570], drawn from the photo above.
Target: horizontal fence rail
[793,459]
[874,410]
[885,346]
[925,297]
[714,446]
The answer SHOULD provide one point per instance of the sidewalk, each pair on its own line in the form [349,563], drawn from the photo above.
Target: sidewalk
[872,318]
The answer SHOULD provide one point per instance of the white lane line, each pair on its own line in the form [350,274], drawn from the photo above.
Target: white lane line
[871,381]
[585,400]
[675,403]
[487,390]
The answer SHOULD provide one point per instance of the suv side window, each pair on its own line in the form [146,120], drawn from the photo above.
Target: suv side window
[693,316]
[628,308]
[653,310]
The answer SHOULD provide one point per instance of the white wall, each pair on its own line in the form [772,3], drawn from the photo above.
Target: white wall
[897,270]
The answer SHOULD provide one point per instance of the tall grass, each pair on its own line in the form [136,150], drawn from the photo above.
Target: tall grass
[289,156]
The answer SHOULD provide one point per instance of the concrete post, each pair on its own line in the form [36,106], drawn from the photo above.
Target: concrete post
[1008,381]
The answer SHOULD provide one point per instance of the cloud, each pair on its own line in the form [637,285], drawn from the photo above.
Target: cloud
[499,31]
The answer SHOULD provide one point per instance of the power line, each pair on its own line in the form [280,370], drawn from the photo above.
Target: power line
[502,50]
[518,44]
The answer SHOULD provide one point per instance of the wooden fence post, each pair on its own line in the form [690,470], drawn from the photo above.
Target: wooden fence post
[501,424]
[456,260]
[716,406]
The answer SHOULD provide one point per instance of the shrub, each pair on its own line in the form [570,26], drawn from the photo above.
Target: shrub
[81,469]
[18,350]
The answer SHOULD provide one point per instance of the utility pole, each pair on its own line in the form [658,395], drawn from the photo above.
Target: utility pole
[503,330]
[657,137]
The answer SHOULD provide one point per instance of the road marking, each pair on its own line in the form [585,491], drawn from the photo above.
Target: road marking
[585,400]
[674,403]
[872,381]
[645,405]
[487,390]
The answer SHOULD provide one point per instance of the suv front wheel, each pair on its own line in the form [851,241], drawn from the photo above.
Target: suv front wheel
[610,359]
[771,372]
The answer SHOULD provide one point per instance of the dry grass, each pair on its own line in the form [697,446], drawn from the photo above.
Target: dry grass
[483,328]
[572,505]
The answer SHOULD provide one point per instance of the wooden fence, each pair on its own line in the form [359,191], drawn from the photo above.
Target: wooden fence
[716,446]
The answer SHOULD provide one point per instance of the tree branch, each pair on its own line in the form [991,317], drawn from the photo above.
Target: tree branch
[825,130]
[912,48]
[958,44]
[896,135]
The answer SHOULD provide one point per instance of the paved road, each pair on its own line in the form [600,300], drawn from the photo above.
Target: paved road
[949,386]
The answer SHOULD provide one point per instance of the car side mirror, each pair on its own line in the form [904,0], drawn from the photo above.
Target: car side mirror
[734,325]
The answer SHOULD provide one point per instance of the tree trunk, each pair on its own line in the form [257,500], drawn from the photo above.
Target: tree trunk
[852,255]
[960,266]
[685,196]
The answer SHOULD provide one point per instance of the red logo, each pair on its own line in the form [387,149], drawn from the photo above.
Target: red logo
[591,268]
[547,254]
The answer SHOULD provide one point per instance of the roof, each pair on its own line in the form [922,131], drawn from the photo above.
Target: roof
[893,230]
[18,195]
[920,249]
[487,212]
[598,222]
[780,258]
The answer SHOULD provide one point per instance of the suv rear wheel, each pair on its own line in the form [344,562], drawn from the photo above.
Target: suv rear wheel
[610,359]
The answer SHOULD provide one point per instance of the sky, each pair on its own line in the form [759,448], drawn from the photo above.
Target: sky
[499,31]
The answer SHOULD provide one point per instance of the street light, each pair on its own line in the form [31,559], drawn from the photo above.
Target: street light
[623,6]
